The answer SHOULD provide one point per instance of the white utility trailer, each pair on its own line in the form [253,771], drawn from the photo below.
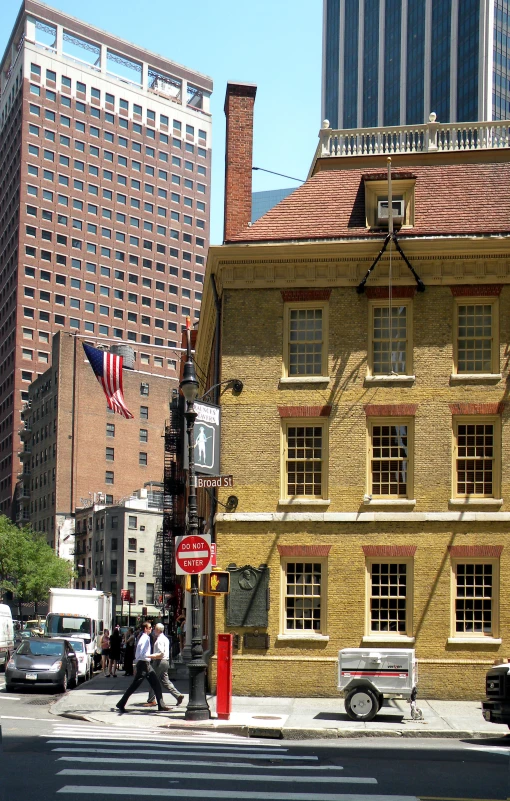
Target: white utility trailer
[369,675]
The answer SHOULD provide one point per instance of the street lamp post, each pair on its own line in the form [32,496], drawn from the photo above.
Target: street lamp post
[197,708]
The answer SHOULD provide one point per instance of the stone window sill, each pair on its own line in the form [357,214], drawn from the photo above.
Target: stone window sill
[459,378]
[302,637]
[380,638]
[305,379]
[492,502]
[406,503]
[390,379]
[303,502]
[474,641]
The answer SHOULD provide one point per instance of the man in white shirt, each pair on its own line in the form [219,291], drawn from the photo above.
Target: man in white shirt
[161,660]
[143,671]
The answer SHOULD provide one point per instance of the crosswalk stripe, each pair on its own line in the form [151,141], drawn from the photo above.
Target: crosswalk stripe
[215,764]
[194,753]
[242,795]
[228,777]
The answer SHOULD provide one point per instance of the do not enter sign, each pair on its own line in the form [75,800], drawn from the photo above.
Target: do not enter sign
[193,555]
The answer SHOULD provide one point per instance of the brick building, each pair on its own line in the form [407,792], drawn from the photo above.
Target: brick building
[75,447]
[115,549]
[104,201]
[370,458]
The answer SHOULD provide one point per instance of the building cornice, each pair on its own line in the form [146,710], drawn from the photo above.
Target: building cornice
[363,517]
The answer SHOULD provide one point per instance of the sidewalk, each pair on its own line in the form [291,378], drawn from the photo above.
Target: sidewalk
[287,718]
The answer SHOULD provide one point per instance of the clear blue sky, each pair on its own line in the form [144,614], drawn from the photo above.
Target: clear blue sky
[276,44]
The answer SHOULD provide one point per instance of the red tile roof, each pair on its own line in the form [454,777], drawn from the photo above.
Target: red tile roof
[450,199]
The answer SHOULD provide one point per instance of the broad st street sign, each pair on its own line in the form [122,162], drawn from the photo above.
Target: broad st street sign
[209,482]
[193,554]
[207,440]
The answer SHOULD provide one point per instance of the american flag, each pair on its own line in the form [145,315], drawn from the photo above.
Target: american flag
[108,369]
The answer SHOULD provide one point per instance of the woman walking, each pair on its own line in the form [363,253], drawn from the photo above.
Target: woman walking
[129,642]
[105,652]
[115,643]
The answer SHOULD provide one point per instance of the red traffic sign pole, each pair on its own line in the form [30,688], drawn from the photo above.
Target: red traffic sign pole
[193,555]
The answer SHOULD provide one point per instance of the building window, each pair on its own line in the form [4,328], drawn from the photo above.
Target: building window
[476,347]
[110,429]
[390,350]
[132,591]
[131,567]
[144,412]
[115,523]
[132,521]
[390,473]
[304,598]
[109,477]
[142,459]
[110,454]
[149,594]
[144,387]
[389,593]
[304,448]
[132,544]
[144,435]
[113,567]
[477,457]
[114,542]
[476,589]
[305,351]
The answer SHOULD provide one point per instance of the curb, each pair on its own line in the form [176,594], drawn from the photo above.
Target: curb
[302,733]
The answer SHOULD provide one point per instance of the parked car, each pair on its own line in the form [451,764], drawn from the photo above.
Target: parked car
[84,659]
[496,707]
[40,661]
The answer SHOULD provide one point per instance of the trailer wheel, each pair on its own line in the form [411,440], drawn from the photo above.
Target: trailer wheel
[362,704]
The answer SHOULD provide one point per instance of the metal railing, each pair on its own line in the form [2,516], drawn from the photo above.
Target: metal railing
[431,137]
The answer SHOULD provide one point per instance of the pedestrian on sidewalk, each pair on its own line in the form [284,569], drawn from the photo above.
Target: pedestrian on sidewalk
[115,643]
[161,662]
[105,652]
[181,633]
[143,671]
[129,653]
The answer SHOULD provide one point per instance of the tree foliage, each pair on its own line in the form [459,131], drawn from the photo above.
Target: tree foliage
[28,565]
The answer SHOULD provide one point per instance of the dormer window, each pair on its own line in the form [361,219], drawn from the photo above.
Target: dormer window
[376,200]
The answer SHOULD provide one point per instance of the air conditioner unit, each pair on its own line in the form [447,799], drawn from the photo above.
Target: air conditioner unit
[398,211]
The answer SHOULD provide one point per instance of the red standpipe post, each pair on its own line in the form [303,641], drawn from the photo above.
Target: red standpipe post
[224,687]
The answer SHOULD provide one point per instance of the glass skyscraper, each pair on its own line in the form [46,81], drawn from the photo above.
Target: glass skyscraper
[393,62]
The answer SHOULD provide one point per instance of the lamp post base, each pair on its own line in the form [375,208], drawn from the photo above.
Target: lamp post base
[198,708]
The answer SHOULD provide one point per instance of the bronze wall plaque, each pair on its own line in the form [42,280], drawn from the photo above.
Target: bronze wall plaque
[248,601]
[256,641]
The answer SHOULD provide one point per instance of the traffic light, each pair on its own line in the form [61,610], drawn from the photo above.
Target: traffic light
[217,583]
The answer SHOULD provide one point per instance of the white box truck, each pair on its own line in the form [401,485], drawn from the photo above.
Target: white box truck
[368,675]
[6,634]
[80,613]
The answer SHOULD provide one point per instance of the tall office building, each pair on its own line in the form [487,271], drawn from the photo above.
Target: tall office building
[393,62]
[104,202]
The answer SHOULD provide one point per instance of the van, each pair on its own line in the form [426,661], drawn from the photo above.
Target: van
[6,635]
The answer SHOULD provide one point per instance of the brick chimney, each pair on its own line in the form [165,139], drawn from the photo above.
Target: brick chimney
[239,102]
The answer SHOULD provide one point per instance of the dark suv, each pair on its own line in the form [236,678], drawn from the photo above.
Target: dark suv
[496,707]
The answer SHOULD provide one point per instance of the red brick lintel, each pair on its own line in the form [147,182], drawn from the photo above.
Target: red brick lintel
[389,550]
[490,551]
[383,292]
[477,408]
[304,550]
[390,409]
[295,295]
[304,411]
[475,290]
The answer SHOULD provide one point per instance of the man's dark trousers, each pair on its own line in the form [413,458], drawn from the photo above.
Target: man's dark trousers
[143,671]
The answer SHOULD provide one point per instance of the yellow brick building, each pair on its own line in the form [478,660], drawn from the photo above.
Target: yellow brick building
[370,445]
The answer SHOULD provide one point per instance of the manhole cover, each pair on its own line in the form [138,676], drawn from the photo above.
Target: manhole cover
[266,717]
[39,701]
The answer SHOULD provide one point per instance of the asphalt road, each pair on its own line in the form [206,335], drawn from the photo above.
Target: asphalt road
[45,758]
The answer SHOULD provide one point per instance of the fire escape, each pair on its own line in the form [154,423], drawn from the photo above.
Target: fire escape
[173,508]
